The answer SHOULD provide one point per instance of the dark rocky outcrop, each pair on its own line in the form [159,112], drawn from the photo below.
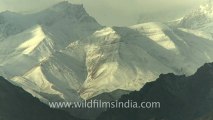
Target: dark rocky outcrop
[16,104]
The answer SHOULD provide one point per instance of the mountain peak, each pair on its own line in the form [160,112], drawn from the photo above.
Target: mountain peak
[207,8]
[63,4]
[74,11]
[198,17]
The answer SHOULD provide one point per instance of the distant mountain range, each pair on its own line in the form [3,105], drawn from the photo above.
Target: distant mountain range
[64,54]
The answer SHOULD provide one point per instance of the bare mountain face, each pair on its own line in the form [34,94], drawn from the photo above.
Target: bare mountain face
[62,53]
[181,98]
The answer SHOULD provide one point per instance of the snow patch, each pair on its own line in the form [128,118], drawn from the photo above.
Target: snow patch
[29,45]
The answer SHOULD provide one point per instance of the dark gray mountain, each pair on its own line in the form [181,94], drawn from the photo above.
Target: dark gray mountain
[16,104]
[181,97]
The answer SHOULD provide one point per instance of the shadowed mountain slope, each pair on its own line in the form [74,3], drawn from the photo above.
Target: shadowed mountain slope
[16,104]
[181,98]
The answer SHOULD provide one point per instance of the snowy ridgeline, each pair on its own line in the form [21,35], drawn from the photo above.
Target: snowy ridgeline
[62,53]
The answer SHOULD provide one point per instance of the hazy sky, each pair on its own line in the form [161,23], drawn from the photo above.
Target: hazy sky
[113,12]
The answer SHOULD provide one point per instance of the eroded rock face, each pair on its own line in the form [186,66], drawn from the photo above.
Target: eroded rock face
[182,98]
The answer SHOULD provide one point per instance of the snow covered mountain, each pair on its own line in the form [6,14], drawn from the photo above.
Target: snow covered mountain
[62,53]
[39,39]
[201,18]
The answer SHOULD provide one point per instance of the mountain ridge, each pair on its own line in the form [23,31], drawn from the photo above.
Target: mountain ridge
[181,97]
